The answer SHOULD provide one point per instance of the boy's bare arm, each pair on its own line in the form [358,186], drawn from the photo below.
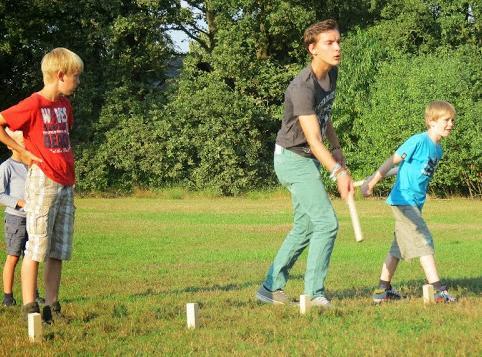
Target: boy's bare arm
[311,129]
[377,176]
[27,157]
[335,143]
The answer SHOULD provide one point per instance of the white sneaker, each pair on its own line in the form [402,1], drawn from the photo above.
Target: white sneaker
[321,301]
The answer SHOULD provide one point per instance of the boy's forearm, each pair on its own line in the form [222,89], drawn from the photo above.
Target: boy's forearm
[382,171]
[8,201]
[6,139]
[331,136]
[311,129]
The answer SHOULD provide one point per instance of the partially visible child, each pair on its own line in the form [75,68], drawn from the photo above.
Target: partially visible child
[418,158]
[46,118]
[13,173]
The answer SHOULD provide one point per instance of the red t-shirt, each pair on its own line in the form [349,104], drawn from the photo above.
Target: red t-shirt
[45,125]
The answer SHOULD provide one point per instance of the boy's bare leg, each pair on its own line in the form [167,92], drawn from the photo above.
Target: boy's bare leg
[52,274]
[389,267]
[428,265]
[9,273]
[29,280]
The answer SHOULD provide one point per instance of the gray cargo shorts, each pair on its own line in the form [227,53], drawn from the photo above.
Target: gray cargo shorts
[412,238]
[15,234]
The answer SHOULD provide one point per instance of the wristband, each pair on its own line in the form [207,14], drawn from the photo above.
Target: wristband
[334,171]
[335,148]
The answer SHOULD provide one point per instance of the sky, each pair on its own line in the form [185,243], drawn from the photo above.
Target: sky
[181,41]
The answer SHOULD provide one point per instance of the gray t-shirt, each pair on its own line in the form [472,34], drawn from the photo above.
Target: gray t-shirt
[12,185]
[305,96]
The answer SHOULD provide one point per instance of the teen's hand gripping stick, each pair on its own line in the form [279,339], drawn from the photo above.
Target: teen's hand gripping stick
[355,221]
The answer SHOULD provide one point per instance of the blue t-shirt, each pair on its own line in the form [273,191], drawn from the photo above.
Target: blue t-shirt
[420,159]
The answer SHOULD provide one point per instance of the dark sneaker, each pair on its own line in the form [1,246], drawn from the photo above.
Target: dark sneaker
[444,296]
[30,309]
[48,310]
[56,308]
[277,297]
[381,295]
[9,301]
[321,301]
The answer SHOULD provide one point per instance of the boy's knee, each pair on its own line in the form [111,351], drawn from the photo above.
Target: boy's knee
[328,225]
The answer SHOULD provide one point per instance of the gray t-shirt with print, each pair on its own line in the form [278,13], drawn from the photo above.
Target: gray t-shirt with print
[305,96]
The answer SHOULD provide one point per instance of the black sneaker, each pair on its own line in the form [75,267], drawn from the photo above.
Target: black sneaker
[9,301]
[48,310]
[383,295]
[30,309]
[56,308]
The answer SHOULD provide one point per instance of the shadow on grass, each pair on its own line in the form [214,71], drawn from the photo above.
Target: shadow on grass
[463,286]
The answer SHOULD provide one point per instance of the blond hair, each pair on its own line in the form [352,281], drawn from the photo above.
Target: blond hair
[436,109]
[311,33]
[60,59]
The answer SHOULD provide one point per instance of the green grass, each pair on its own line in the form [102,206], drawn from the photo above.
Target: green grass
[138,261]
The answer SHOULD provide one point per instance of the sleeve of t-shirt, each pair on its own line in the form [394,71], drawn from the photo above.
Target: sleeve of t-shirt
[408,148]
[5,199]
[303,100]
[19,116]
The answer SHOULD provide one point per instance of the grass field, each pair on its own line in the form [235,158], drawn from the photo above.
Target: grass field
[138,261]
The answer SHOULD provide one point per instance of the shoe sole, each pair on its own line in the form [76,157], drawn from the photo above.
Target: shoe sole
[267,300]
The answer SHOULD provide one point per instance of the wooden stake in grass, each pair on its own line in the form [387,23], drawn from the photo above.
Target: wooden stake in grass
[35,327]
[428,294]
[304,304]
[192,310]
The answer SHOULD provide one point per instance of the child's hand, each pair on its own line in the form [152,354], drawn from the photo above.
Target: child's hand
[28,158]
[21,203]
[365,188]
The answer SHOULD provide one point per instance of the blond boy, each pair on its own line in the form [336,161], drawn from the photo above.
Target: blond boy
[418,158]
[46,120]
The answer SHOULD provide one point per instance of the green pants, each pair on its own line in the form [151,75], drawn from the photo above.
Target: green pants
[315,224]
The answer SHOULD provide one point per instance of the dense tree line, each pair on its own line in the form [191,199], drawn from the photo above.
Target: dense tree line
[213,126]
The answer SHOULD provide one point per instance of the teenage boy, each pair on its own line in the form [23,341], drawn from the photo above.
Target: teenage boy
[298,154]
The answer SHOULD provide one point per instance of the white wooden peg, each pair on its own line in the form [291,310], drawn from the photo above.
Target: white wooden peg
[304,304]
[428,294]
[192,310]
[35,327]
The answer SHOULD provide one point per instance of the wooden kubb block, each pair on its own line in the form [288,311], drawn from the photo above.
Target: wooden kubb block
[192,311]
[304,304]
[35,327]
[428,294]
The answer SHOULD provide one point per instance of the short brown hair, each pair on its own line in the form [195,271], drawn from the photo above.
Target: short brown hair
[312,32]
[436,109]
[60,59]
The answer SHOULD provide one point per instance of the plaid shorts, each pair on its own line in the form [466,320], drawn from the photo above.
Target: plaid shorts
[50,217]
[412,236]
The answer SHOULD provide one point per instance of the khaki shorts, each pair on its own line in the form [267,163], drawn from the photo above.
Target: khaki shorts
[50,217]
[412,237]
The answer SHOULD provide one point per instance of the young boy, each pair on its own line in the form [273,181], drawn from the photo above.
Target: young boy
[418,158]
[12,191]
[298,154]
[45,119]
